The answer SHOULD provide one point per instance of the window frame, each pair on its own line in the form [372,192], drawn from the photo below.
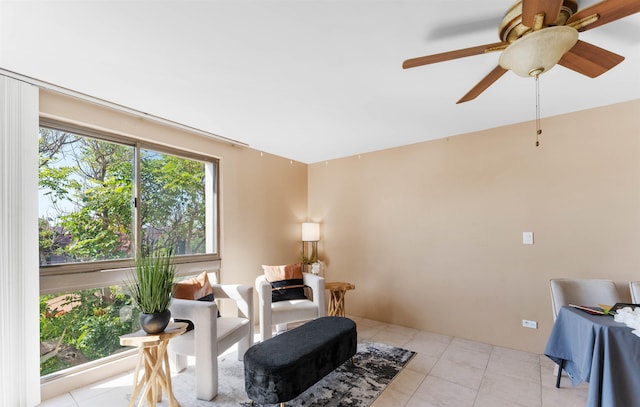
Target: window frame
[184,263]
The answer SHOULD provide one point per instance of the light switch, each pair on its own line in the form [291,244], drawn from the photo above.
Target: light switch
[527,237]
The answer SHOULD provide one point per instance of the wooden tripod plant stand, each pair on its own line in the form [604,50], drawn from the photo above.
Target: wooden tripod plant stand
[153,355]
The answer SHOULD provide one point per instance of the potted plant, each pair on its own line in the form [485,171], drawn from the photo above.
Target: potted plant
[151,288]
[310,264]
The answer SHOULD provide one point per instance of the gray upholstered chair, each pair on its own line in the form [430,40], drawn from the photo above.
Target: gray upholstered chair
[634,288]
[589,292]
[212,335]
[283,312]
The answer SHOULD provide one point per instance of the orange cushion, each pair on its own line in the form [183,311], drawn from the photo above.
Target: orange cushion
[193,288]
[197,288]
[279,273]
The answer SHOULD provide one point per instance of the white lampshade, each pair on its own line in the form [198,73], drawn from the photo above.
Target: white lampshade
[538,51]
[310,232]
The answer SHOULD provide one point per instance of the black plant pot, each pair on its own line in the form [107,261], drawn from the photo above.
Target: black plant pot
[155,323]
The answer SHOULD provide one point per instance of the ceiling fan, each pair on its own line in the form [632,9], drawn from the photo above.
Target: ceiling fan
[537,34]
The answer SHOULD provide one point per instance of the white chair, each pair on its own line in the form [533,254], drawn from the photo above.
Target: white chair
[212,335]
[634,287]
[282,312]
[589,292]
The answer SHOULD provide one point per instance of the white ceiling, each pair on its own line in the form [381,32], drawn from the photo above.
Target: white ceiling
[309,80]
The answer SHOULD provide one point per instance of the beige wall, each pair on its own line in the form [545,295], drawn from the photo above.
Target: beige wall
[431,234]
[263,197]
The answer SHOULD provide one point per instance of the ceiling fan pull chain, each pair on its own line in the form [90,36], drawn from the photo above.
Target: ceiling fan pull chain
[538,129]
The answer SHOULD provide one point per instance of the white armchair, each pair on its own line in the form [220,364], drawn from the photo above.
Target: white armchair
[282,312]
[212,335]
[634,288]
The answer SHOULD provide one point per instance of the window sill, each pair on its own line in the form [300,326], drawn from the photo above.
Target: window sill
[62,383]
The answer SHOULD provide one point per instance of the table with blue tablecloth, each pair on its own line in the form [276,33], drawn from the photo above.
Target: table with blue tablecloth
[600,351]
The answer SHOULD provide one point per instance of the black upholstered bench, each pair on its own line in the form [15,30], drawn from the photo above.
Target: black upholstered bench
[281,368]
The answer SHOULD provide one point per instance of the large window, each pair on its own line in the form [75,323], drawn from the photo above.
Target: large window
[102,199]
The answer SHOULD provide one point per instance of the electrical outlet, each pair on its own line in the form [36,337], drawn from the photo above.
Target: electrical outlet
[529,324]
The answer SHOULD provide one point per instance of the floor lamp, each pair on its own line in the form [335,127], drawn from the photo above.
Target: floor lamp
[310,234]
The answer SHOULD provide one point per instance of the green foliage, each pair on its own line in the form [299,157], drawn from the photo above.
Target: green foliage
[88,184]
[101,225]
[48,239]
[151,285]
[308,259]
[52,365]
[57,182]
[173,202]
[98,339]
[88,187]
[86,321]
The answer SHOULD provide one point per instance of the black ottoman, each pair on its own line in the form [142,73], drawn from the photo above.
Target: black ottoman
[279,369]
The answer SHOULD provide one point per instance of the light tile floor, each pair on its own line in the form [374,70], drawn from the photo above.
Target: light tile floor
[446,372]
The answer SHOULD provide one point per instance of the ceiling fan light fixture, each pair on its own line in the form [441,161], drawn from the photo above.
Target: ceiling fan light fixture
[538,51]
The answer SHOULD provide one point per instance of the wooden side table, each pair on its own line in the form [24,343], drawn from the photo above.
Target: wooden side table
[153,354]
[338,291]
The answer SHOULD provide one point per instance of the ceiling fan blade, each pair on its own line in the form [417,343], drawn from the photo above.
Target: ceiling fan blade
[589,60]
[608,10]
[446,56]
[550,9]
[487,81]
